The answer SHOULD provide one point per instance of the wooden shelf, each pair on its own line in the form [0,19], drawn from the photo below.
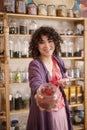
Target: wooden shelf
[2,117]
[21,59]
[42,17]
[76,105]
[71,36]
[20,35]
[78,127]
[22,111]
[72,58]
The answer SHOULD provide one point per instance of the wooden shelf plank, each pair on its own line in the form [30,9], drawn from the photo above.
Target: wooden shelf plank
[78,127]
[22,111]
[43,17]
[76,105]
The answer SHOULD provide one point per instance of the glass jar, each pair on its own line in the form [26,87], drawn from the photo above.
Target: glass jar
[9,6]
[18,101]
[62,11]
[12,102]
[32,27]
[13,27]
[51,10]
[1,27]
[25,46]
[17,49]
[11,48]
[20,6]
[70,13]
[42,9]
[15,125]
[23,27]
[47,96]
[1,46]
[32,8]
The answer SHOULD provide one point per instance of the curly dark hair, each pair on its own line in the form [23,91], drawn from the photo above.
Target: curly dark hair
[36,38]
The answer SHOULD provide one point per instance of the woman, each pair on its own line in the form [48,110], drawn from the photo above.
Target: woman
[47,67]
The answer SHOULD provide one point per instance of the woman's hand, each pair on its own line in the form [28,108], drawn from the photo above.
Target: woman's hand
[63,82]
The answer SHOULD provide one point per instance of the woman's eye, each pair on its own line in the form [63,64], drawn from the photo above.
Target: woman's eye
[42,42]
[50,41]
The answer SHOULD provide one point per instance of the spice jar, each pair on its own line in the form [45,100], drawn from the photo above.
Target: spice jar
[9,6]
[13,27]
[42,9]
[20,6]
[51,10]
[1,27]
[32,8]
[62,11]
[32,27]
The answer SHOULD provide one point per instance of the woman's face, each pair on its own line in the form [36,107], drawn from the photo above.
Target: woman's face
[46,46]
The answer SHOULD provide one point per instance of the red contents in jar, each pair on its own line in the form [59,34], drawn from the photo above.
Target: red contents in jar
[47,91]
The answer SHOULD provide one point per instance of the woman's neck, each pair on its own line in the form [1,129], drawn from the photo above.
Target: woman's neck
[47,60]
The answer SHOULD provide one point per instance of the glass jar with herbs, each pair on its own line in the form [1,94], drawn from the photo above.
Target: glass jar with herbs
[42,9]
[62,11]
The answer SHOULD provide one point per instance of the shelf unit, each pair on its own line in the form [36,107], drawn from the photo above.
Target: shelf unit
[7,36]
[4,84]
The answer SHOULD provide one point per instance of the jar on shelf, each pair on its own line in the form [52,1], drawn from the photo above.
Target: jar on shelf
[72,94]
[32,8]
[25,52]
[13,27]
[79,94]
[18,77]
[32,27]
[20,6]
[12,102]
[62,11]
[42,9]
[70,13]
[18,101]
[1,46]
[11,48]
[26,101]
[23,27]
[17,49]
[9,6]
[51,10]
[14,125]
[1,27]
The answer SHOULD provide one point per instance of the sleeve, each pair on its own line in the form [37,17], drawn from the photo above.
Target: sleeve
[35,77]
